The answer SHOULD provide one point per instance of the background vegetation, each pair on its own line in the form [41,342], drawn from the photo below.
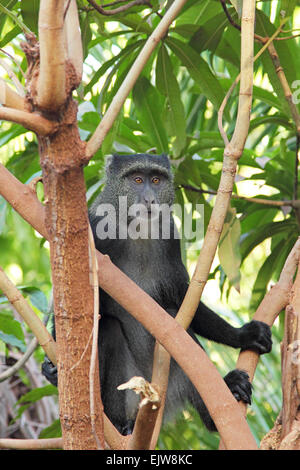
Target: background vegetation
[173,108]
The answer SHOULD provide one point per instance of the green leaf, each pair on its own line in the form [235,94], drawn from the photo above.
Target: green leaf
[209,34]
[11,332]
[115,61]
[149,107]
[33,396]
[38,393]
[86,32]
[264,276]
[14,131]
[288,7]
[199,71]
[37,297]
[166,83]
[11,14]
[259,234]
[278,119]
[54,430]
[228,250]
[267,97]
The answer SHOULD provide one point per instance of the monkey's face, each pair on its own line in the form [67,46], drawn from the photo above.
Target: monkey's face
[147,191]
[146,188]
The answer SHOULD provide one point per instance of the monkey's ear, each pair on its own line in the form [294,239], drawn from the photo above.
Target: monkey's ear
[109,160]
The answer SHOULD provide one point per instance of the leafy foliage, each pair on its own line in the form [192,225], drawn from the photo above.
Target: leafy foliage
[173,108]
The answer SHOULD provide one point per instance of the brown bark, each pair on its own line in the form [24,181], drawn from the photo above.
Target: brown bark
[67,225]
[290,432]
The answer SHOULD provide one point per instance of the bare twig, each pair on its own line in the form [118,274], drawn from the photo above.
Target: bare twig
[121,9]
[13,77]
[17,64]
[39,330]
[9,98]
[94,353]
[73,39]
[146,417]
[236,81]
[37,444]
[285,86]
[256,36]
[20,363]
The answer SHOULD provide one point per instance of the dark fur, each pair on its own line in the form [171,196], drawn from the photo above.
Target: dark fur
[125,347]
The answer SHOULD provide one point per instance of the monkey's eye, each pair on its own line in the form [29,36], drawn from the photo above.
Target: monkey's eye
[155,180]
[138,180]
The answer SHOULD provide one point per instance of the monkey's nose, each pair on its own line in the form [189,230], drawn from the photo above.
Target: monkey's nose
[149,199]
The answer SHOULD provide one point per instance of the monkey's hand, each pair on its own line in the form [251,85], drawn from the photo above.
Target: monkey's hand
[256,335]
[238,382]
[49,370]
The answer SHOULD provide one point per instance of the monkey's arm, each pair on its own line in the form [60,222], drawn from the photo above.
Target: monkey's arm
[253,335]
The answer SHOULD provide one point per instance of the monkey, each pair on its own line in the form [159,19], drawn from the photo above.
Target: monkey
[145,182]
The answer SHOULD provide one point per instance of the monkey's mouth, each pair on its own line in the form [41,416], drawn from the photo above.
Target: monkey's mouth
[150,213]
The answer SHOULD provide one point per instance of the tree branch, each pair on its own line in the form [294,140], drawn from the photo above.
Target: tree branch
[268,202]
[160,376]
[232,153]
[39,330]
[31,444]
[20,363]
[146,417]
[51,86]
[23,200]
[94,354]
[31,121]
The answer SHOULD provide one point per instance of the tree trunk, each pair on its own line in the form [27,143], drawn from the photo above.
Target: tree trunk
[67,224]
[285,434]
